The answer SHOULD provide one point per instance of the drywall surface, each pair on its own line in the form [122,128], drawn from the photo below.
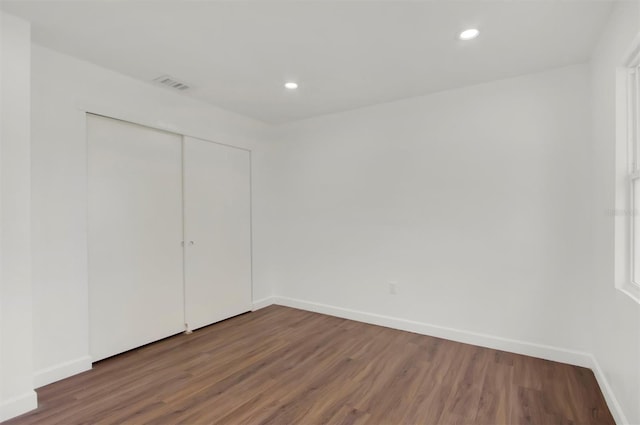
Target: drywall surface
[63,89]
[615,317]
[470,202]
[16,347]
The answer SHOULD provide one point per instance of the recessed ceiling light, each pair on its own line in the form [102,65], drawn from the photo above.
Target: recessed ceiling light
[291,85]
[469,34]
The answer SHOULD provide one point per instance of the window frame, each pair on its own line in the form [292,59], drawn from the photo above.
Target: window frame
[627,214]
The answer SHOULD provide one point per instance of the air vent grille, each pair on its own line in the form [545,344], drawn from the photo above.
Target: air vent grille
[173,83]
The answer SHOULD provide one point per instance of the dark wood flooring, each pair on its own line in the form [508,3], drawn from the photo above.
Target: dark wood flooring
[285,366]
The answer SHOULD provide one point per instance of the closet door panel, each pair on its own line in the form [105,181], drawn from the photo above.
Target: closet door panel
[217,211]
[135,233]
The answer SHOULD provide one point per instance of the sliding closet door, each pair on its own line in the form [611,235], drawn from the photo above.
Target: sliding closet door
[217,207]
[135,235]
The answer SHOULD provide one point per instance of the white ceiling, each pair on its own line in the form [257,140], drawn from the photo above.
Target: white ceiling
[344,54]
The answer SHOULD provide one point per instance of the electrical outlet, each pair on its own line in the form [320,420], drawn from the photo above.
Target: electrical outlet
[393,287]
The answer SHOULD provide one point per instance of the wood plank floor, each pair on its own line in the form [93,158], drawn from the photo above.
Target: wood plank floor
[285,366]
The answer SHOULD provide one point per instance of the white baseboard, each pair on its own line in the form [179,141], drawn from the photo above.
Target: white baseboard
[60,371]
[547,352]
[607,391]
[264,302]
[16,406]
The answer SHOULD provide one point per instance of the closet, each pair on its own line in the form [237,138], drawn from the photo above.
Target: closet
[169,234]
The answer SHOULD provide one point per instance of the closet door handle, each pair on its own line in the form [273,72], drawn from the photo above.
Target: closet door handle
[191,243]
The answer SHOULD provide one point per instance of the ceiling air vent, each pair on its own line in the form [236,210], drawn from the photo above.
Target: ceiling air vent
[169,81]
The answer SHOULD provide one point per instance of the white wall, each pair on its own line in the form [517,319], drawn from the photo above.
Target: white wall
[615,316]
[16,347]
[473,200]
[63,87]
